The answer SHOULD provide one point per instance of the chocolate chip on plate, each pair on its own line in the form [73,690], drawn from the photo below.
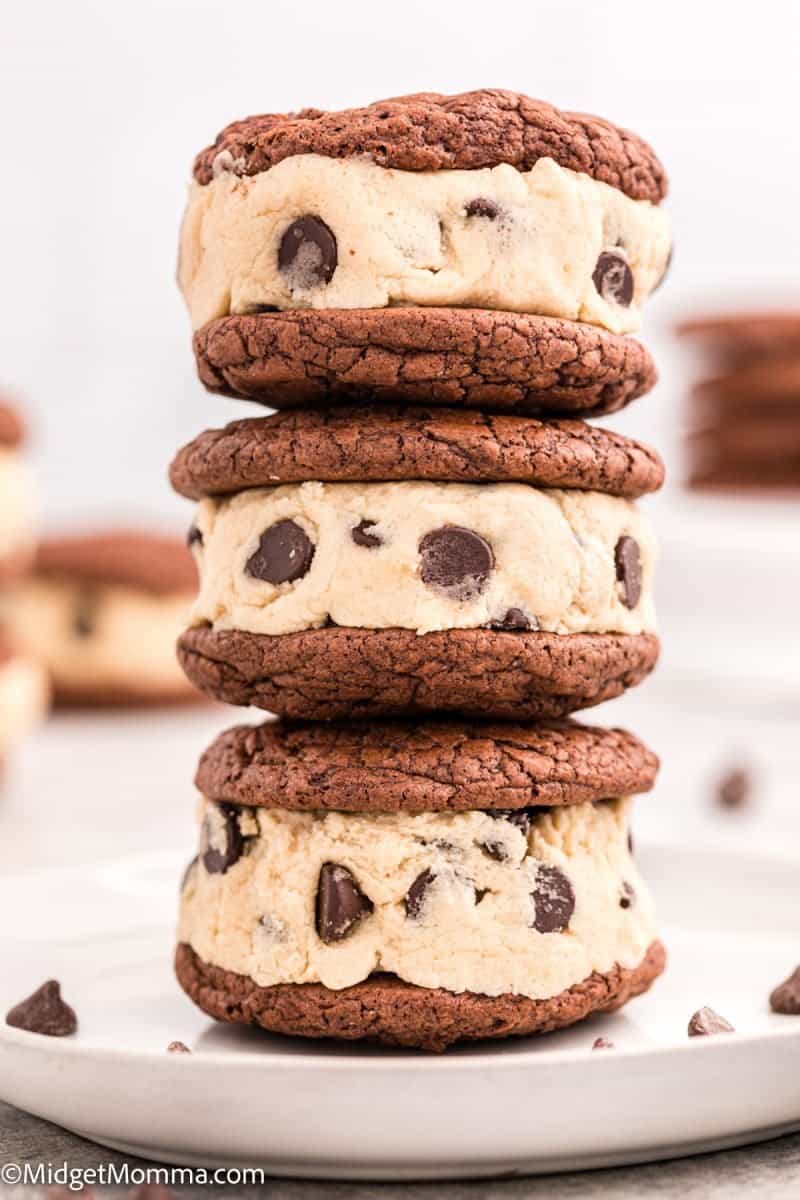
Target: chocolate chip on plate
[178,1048]
[415,896]
[44,1012]
[785,998]
[516,621]
[307,254]
[613,278]
[194,537]
[628,895]
[284,553]
[705,1022]
[340,903]
[362,537]
[482,206]
[602,1043]
[221,841]
[735,788]
[628,566]
[456,560]
[554,898]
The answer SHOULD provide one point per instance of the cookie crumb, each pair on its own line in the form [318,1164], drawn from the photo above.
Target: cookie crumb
[178,1048]
[705,1022]
[785,998]
[602,1043]
[44,1012]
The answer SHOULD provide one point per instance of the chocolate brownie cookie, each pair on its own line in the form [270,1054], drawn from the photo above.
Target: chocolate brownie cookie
[101,612]
[18,508]
[442,765]
[736,338]
[336,673]
[385,1009]
[471,358]
[384,443]
[481,249]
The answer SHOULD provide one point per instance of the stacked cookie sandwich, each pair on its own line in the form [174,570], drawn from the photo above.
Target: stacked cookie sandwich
[423,562]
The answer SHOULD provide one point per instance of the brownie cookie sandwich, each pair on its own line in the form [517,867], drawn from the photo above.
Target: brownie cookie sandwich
[417,885]
[101,612]
[381,561]
[17,499]
[484,250]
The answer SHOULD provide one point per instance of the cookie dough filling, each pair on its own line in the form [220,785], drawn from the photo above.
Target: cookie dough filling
[319,232]
[425,557]
[525,901]
[96,636]
[17,509]
[24,695]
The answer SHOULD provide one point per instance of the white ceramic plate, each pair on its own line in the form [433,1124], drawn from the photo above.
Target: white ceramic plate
[306,1109]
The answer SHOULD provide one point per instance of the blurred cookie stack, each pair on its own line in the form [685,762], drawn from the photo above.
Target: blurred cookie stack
[744,411]
[422,562]
[23,684]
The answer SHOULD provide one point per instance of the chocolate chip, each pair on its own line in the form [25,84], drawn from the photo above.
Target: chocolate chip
[272,928]
[630,842]
[554,899]
[613,278]
[516,621]
[178,1048]
[360,535]
[523,818]
[602,1043]
[84,618]
[190,867]
[705,1021]
[785,998]
[628,565]
[44,1012]
[415,896]
[284,554]
[340,903]
[221,841]
[495,850]
[735,788]
[264,308]
[308,253]
[628,895]
[194,537]
[456,560]
[482,206]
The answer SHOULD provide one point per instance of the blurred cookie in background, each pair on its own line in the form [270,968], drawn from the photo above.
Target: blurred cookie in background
[17,497]
[24,696]
[744,411]
[102,612]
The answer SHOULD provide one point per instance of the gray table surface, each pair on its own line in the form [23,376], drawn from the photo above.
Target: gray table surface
[771,1169]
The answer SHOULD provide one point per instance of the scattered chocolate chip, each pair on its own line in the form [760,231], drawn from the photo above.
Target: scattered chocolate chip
[735,788]
[554,898]
[628,565]
[178,1048]
[194,537]
[340,903]
[705,1021]
[284,554]
[44,1012]
[415,896]
[495,850]
[602,1043]
[628,895]
[482,206]
[613,278]
[189,868]
[457,560]
[307,253]
[85,615]
[221,841]
[785,998]
[361,536]
[516,621]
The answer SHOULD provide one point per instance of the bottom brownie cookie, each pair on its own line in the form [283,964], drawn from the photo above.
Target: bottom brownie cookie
[385,1009]
[337,672]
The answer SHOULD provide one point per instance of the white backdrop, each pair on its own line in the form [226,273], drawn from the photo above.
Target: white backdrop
[104,103]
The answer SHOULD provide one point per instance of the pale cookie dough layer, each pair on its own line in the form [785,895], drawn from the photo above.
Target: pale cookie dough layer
[474,928]
[17,507]
[554,558]
[24,695]
[95,637]
[405,237]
